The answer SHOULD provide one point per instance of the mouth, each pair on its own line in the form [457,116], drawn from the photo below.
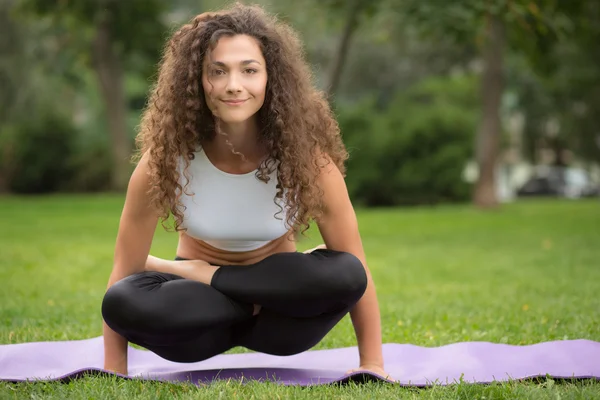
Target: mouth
[234,102]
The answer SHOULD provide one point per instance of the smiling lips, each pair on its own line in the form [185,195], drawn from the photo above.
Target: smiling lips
[234,102]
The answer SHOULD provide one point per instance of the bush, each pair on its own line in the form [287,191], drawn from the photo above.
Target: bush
[91,166]
[414,152]
[50,155]
[35,153]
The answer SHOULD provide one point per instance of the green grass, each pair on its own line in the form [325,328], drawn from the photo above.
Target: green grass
[527,273]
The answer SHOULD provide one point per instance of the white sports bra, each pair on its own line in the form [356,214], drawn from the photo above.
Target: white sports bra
[234,212]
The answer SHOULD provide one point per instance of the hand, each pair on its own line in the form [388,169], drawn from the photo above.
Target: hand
[377,369]
[196,270]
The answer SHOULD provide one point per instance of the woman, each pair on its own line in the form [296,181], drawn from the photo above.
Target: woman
[238,146]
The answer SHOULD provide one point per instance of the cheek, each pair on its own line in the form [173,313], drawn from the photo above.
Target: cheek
[207,90]
[210,89]
[259,88]
[214,86]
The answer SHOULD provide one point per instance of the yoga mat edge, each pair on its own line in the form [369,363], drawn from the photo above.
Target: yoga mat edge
[409,365]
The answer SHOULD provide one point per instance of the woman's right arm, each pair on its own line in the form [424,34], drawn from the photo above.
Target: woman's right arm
[134,239]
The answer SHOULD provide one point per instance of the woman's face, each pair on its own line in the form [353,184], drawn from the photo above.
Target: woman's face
[234,78]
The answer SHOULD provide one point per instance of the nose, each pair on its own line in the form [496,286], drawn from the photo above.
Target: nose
[233,84]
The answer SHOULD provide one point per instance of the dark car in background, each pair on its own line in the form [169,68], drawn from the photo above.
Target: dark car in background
[565,182]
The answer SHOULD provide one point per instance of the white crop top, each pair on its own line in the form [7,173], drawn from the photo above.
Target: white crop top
[234,212]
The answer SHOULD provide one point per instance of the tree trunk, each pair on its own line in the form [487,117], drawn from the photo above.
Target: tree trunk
[342,51]
[109,71]
[490,129]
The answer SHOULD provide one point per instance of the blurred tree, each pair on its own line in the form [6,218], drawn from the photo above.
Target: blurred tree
[12,62]
[496,25]
[11,74]
[383,62]
[28,88]
[557,96]
[351,12]
[110,36]
[574,81]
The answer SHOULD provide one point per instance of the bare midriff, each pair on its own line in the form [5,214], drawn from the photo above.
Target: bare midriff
[194,249]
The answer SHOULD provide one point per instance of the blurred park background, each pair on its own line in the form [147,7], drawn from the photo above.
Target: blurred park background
[438,101]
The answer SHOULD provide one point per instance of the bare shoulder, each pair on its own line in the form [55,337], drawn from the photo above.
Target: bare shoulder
[329,173]
[137,200]
[332,184]
[139,177]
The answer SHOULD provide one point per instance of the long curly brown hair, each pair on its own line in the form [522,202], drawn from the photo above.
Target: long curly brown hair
[296,124]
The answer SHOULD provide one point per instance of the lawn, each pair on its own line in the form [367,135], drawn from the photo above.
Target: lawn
[527,273]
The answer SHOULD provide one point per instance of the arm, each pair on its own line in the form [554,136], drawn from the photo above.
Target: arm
[134,239]
[339,229]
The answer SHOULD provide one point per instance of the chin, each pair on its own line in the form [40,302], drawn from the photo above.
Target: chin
[236,117]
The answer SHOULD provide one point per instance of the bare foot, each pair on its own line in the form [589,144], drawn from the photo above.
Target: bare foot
[197,270]
[321,246]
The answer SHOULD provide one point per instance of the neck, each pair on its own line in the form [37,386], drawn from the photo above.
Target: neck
[242,136]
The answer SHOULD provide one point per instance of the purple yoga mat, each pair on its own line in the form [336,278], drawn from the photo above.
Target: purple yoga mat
[472,362]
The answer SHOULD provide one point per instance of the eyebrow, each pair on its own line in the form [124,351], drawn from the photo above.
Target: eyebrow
[245,62]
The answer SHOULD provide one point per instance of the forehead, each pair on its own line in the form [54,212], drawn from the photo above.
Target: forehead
[233,49]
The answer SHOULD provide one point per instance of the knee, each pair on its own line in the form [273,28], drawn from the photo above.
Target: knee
[115,301]
[120,302]
[348,278]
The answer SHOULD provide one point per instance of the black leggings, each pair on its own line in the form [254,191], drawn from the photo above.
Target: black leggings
[303,296]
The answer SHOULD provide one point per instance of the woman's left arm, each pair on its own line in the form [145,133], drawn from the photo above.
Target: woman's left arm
[339,229]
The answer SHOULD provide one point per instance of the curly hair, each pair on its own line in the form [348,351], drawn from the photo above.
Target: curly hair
[296,124]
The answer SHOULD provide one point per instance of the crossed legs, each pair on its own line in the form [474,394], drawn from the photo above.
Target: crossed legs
[301,296]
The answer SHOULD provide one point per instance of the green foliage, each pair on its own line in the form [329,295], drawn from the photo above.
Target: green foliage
[368,8]
[574,85]
[137,28]
[48,154]
[534,26]
[566,93]
[133,23]
[90,165]
[43,149]
[35,153]
[457,19]
[413,152]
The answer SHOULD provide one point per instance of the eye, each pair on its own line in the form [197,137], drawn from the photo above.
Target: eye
[218,72]
[251,71]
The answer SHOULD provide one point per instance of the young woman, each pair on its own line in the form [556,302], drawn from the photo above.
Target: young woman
[243,152]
